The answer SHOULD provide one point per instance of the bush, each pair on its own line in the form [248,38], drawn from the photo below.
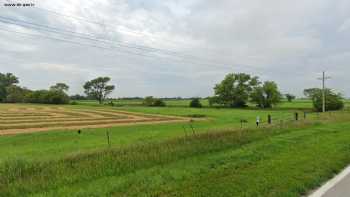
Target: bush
[148,101]
[195,103]
[153,102]
[159,103]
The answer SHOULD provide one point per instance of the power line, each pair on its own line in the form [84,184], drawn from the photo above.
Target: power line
[89,37]
[87,20]
[86,36]
[97,46]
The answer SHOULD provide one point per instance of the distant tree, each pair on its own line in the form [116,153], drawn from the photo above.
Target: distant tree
[235,89]
[159,103]
[311,92]
[195,103]
[153,102]
[38,96]
[212,100]
[60,87]
[6,80]
[267,95]
[290,97]
[16,94]
[78,97]
[98,88]
[334,101]
[56,97]
[148,101]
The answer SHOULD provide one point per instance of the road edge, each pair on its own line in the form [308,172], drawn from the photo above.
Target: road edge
[331,183]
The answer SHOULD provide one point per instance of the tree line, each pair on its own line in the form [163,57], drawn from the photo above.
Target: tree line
[11,92]
[237,89]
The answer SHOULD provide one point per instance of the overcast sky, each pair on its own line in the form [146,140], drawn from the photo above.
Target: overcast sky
[176,47]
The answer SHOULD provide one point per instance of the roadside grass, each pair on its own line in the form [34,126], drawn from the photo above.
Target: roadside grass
[249,162]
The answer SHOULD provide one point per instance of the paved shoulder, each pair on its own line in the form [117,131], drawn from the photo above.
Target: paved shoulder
[339,186]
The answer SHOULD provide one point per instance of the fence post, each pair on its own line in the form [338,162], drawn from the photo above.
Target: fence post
[108,139]
[269,120]
[296,116]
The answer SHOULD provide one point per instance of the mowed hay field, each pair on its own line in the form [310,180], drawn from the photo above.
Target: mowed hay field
[16,119]
[209,156]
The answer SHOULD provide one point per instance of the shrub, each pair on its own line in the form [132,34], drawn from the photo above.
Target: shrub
[148,101]
[195,103]
[153,102]
[159,103]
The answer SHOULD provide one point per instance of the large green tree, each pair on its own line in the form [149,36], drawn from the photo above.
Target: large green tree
[334,101]
[235,89]
[6,80]
[16,94]
[98,88]
[267,95]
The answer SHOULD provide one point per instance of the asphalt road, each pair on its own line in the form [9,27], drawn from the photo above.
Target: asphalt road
[341,189]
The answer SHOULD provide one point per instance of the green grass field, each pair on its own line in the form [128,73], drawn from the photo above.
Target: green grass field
[215,158]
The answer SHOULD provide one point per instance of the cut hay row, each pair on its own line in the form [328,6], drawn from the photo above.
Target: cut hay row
[59,119]
[26,120]
[74,123]
[33,130]
[131,114]
[110,113]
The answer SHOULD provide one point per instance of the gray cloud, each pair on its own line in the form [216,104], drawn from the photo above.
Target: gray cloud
[288,42]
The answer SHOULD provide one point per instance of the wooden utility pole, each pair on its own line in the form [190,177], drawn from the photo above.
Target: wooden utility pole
[324,78]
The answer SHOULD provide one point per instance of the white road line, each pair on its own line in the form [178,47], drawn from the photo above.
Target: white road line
[331,183]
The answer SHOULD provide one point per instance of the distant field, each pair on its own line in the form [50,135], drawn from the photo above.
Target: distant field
[296,104]
[33,118]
